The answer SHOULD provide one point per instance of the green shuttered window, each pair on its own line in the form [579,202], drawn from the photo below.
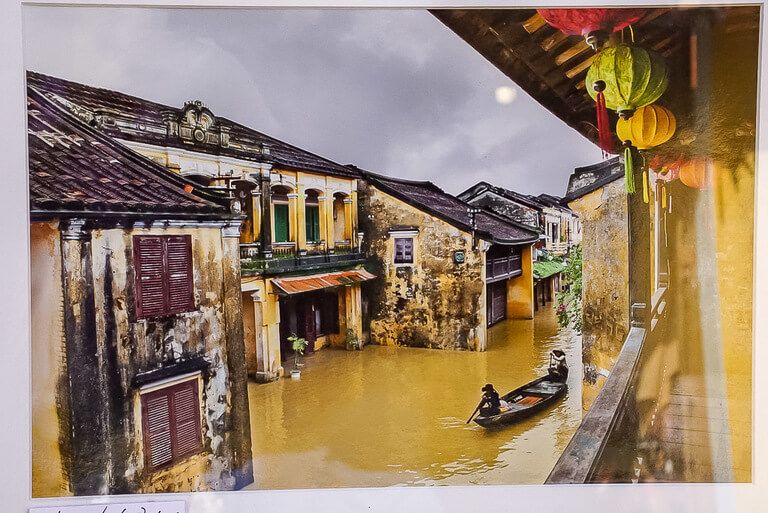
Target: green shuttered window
[163,270]
[281,222]
[313,223]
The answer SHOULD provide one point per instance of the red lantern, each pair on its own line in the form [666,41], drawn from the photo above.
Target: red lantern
[696,173]
[593,24]
[188,188]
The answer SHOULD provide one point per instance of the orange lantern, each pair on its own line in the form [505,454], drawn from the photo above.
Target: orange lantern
[696,173]
[188,188]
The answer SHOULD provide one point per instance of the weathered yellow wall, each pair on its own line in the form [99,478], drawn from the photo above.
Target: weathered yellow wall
[605,274]
[520,289]
[48,357]
[434,302]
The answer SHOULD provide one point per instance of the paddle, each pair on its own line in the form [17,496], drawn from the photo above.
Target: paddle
[478,407]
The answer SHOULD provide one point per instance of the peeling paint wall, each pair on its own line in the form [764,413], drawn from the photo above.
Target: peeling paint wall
[127,346]
[605,275]
[434,302]
[49,473]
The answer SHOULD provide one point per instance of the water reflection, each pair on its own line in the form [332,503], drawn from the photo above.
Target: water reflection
[397,416]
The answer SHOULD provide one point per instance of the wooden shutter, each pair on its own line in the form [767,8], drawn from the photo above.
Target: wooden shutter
[186,414]
[404,251]
[158,440]
[164,278]
[281,223]
[178,257]
[171,423]
[149,265]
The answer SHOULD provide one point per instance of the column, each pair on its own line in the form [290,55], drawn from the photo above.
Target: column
[301,223]
[242,463]
[265,232]
[322,200]
[266,365]
[329,223]
[348,229]
[85,398]
[353,312]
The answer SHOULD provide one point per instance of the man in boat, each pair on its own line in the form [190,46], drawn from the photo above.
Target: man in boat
[491,403]
[558,369]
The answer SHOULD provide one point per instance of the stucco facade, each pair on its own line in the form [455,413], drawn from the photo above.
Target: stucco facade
[433,302]
[605,275]
[88,274]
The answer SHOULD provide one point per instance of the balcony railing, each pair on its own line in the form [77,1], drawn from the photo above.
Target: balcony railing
[504,267]
[340,247]
[285,258]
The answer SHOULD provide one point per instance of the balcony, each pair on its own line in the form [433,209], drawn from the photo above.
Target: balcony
[502,268]
[285,258]
[557,248]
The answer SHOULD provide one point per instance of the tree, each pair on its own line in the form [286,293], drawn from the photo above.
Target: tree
[569,311]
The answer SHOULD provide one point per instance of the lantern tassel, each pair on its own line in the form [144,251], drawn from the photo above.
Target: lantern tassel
[663,197]
[603,127]
[629,172]
[646,199]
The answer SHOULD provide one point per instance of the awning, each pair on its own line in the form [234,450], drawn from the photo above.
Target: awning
[301,284]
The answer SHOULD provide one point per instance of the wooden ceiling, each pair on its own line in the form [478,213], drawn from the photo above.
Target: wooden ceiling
[551,66]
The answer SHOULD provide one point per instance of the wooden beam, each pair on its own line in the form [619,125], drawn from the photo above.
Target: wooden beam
[582,66]
[572,52]
[553,41]
[534,23]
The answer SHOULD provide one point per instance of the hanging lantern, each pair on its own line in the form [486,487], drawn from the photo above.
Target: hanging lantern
[695,173]
[649,126]
[633,77]
[188,188]
[594,24]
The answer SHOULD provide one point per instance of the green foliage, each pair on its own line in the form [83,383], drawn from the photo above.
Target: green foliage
[569,309]
[352,340]
[298,345]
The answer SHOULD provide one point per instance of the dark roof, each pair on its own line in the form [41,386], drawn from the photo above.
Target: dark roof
[590,178]
[75,169]
[536,202]
[481,187]
[135,119]
[430,198]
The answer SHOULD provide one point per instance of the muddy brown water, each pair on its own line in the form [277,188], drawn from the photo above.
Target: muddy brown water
[388,416]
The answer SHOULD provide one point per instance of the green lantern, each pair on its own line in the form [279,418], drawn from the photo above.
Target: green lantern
[632,76]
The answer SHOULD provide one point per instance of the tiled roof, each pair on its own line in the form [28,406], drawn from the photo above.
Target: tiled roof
[143,121]
[589,178]
[429,198]
[545,269]
[74,168]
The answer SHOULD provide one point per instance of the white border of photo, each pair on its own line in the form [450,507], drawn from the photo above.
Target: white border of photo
[15,439]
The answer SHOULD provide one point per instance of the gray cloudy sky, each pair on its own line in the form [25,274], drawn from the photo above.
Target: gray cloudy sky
[392,91]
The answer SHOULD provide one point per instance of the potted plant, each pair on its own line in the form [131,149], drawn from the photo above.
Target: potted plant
[353,343]
[298,345]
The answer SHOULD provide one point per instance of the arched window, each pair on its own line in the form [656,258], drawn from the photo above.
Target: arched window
[312,215]
[280,213]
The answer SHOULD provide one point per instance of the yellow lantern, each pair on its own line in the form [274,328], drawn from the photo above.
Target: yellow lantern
[649,126]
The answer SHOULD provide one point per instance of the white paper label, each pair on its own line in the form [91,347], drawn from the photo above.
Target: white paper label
[128,507]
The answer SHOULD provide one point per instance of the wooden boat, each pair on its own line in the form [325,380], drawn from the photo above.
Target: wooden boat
[531,398]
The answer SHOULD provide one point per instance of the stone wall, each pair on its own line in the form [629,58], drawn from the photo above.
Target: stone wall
[605,275]
[433,303]
[107,347]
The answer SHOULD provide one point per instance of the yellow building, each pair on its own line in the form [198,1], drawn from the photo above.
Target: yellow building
[139,380]
[300,244]
[446,270]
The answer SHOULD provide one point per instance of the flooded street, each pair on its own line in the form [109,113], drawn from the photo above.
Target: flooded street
[389,416]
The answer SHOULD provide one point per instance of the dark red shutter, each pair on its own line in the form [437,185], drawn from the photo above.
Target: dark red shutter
[156,413]
[186,413]
[164,279]
[171,420]
[179,273]
[148,253]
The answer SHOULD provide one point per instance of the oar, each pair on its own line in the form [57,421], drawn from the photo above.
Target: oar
[478,407]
